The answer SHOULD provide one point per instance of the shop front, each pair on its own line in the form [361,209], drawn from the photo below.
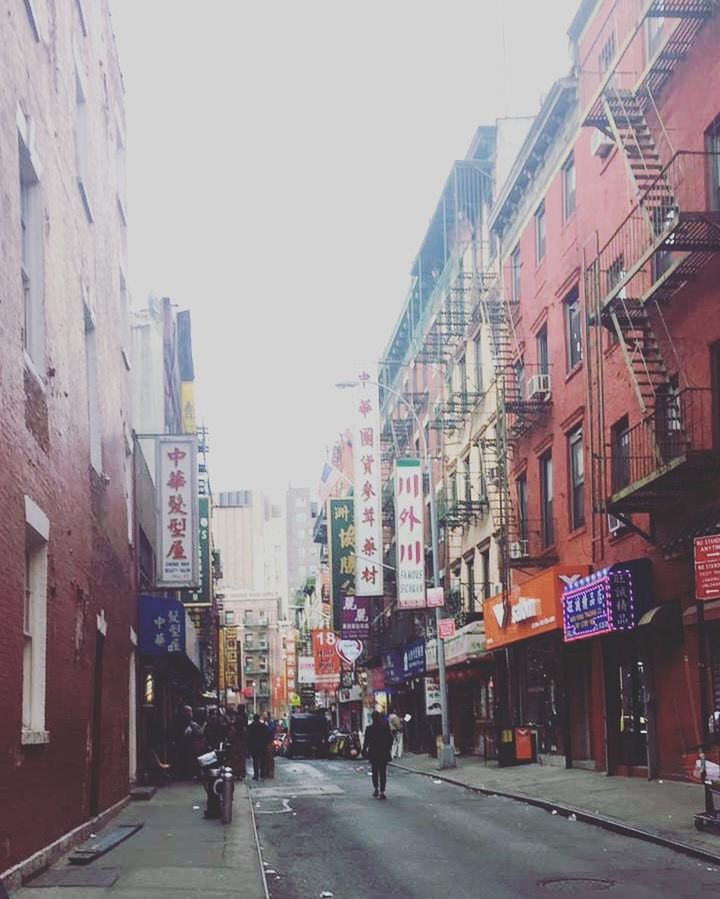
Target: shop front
[469,676]
[609,608]
[537,702]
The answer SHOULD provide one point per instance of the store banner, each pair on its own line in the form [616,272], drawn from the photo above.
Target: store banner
[355,618]
[231,661]
[177,511]
[166,629]
[326,659]
[414,660]
[535,607]
[393,667]
[433,700]
[367,489]
[202,595]
[306,670]
[341,547]
[612,599]
[410,532]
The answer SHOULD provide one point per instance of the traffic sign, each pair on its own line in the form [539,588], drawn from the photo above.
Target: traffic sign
[707,567]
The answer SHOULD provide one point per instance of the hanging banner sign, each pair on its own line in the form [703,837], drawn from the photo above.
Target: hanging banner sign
[410,530]
[349,650]
[341,547]
[393,667]
[433,704]
[367,489]
[306,670]
[326,659]
[202,595]
[177,511]
[355,618]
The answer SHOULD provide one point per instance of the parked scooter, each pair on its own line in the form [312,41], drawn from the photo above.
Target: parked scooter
[219,782]
[344,745]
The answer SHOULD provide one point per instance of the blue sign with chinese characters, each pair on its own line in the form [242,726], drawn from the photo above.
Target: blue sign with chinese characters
[161,622]
[612,599]
[414,659]
[393,667]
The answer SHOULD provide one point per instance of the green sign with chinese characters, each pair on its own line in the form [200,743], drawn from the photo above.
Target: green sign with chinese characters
[341,545]
[202,596]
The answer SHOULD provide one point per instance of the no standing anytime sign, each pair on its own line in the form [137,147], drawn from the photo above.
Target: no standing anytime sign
[707,567]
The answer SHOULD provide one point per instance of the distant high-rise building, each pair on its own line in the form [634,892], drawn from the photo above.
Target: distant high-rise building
[303,555]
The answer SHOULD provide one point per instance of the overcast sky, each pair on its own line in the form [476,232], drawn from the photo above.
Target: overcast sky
[284,159]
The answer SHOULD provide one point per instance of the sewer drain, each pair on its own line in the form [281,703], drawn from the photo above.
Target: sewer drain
[573,884]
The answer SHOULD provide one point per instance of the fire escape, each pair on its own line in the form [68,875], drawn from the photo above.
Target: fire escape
[667,238]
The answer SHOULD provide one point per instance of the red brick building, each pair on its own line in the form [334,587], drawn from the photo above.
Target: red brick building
[609,232]
[67,602]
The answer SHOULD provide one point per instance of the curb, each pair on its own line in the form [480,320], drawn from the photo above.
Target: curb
[586,817]
[257,841]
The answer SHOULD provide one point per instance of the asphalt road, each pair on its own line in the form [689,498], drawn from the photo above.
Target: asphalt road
[323,834]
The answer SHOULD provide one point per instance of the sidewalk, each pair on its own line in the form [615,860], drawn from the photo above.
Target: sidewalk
[176,854]
[658,811]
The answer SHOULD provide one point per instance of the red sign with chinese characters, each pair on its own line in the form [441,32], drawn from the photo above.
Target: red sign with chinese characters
[446,628]
[325,657]
[707,567]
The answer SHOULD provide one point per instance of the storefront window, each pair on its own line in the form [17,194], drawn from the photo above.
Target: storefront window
[541,695]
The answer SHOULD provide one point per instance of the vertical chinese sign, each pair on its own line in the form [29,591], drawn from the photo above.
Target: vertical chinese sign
[231,659]
[410,530]
[326,660]
[341,543]
[367,489]
[177,515]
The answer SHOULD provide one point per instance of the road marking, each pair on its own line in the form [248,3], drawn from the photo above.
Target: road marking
[280,811]
[291,791]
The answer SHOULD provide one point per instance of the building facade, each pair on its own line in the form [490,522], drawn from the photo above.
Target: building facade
[68,645]
[303,554]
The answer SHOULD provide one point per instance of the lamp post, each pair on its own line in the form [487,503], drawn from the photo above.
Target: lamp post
[447,756]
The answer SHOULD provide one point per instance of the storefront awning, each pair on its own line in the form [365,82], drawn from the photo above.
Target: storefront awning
[166,630]
[612,599]
[663,614]
[467,645]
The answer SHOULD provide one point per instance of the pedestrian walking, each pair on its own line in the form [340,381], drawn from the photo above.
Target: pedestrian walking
[396,729]
[257,739]
[376,749]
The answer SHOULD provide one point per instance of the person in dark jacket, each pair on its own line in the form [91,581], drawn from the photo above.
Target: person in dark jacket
[257,740]
[376,749]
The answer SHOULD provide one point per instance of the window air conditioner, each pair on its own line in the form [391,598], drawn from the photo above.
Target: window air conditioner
[518,549]
[538,386]
[615,525]
[600,144]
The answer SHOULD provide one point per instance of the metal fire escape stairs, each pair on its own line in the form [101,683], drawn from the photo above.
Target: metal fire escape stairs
[622,114]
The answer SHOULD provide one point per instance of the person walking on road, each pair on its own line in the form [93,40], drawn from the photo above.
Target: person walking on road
[396,729]
[376,749]
[257,739]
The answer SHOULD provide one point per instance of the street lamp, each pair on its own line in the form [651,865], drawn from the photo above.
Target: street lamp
[447,756]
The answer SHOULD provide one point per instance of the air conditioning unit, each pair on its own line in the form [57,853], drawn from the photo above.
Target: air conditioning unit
[615,525]
[600,144]
[538,386]
[519,549]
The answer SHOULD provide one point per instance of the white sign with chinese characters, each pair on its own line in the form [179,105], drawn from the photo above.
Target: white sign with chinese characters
[410,531]
[177,511]
[367,489]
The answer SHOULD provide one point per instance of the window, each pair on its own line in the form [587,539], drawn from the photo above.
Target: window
[607,54]
[477,346]
[540,233]
[576,470]
[120,166]
[470,565]
[541,348]
[301,552]
[521,489]
[620,453]
[615,274]
[82,136]
[300,517]
[229,618]
[466,478]
[462,371]
[655,26]
[34,625]
[568,187]
[31,250]
[248,638]
[712,146]
[518,387]
[573,337]
[547,530]
[453,489]
[93,391]
[485,565]
[515,271]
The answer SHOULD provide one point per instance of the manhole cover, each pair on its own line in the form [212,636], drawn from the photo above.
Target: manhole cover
[574,884]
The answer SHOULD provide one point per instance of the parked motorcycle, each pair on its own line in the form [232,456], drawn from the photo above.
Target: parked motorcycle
[344,744]
[219,782]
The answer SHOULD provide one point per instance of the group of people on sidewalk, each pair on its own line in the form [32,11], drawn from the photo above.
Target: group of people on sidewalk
[194,732]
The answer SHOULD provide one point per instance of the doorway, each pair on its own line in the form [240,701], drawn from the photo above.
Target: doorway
[627,723]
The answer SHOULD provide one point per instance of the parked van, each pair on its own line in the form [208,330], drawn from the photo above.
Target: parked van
[308,735]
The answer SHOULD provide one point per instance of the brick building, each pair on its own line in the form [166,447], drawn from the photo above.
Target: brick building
[68,602]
